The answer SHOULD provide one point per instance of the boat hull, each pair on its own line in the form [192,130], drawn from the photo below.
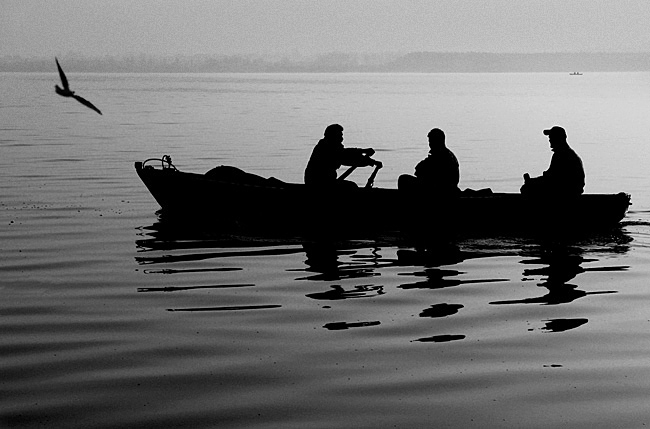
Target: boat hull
[272,204]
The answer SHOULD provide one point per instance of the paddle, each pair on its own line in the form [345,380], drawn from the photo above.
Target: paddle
[347,172]
[371,179]
[368,161]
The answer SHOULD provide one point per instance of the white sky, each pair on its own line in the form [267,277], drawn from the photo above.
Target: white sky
[32,28]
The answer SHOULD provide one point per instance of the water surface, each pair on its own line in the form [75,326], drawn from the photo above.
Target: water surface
[113,316]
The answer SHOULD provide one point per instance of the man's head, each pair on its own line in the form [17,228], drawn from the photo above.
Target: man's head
[436,138]
[556,136]
[334,132]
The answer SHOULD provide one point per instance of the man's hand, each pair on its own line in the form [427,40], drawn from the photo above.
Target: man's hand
[369,152]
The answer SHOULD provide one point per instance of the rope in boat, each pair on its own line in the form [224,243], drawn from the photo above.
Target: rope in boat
[165,162]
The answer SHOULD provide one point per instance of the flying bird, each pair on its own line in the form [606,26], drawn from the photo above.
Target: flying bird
[65,91]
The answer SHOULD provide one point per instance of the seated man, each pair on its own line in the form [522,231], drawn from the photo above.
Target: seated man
[565,176]
[329,155]
[439,172]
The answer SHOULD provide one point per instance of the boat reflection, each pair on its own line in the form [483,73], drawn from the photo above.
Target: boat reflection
[184,241]
[339,326]
[337,292]
[441,310]
[560,264]
[323,258]
[225,261]
[561,325]
[445,338]
[433,258]
[437,262]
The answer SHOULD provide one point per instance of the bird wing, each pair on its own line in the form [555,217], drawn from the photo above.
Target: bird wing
[64,80]
[86,103]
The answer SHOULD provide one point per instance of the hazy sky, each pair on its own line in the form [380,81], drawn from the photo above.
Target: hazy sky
[99,27]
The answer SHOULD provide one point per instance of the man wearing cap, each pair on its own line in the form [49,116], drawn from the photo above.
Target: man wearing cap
[439,172]
[564,177]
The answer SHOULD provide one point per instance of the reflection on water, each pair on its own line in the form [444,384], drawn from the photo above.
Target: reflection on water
[181,288]
[187,246]
[437,278]
[561,325]
[441,338]
[449,321]
[337,292]
[337,326]
[557,263]
[323,259]
[441,310]
[560,264]
[228,308]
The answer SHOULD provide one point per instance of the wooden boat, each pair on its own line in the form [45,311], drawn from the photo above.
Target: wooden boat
[229,196]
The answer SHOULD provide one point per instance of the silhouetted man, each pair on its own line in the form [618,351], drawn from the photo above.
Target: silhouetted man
[329,155]
[565,176]
[438,173]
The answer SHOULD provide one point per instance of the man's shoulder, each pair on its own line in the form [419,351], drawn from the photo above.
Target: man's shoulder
[327,145]
[451,157]
[569,153]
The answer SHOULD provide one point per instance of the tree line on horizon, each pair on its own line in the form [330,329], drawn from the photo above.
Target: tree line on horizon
[416,62]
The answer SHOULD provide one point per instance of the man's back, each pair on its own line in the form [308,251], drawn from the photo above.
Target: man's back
[440,170]
[566,173]
[323,163]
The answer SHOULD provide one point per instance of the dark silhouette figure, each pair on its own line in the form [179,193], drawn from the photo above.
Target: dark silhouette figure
[330,154]
[66,92]
[438,173]
[565,176]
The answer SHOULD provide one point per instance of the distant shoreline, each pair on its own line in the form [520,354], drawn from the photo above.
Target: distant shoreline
[415,62]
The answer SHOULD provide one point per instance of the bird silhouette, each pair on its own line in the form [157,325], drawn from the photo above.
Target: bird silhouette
[66,92]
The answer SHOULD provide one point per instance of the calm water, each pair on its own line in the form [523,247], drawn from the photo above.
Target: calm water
[114,317]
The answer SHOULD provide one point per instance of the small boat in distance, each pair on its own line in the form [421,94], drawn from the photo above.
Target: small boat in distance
[229,196]
[575,74]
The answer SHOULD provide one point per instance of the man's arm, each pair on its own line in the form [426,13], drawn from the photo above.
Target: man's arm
[356,157]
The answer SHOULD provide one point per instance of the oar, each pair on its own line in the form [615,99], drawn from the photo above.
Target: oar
[371,179]
[347,173]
